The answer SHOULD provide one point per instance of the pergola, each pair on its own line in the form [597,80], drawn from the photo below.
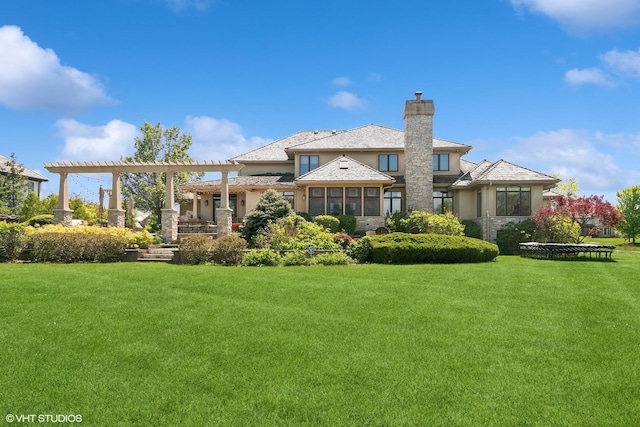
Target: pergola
[169,216]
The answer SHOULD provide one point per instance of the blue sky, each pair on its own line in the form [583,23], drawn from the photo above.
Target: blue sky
[552,85]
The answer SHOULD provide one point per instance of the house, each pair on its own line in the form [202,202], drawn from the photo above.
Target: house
[372,170]
[34,178]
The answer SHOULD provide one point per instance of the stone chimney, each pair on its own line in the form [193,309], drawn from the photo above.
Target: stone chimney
[418,153]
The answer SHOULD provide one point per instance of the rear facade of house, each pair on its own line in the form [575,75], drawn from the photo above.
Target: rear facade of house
[372,170]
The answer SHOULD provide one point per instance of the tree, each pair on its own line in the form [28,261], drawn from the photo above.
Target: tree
[586,211]
[148,189]
[13,185]
[271,206]
[629,207]
[567,187]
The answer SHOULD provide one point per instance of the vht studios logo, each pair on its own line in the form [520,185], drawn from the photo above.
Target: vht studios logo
[43,418]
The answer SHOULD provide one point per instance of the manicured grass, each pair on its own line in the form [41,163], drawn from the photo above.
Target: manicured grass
[513,342]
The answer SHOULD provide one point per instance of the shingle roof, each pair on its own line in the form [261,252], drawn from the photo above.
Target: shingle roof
[26,172]
[502,172]
[343,169]
[369,137]
[276,150]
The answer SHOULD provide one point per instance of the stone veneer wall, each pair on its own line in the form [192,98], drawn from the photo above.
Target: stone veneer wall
[491,225]
[224,221]
[62,216]
[116,218]
[369,223]
[169,225]
[418,154]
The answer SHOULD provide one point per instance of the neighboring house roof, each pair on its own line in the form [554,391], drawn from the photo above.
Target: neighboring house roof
[466,165]
[256,181]
[502,172]
[369,137]
[343,169]
[33,175]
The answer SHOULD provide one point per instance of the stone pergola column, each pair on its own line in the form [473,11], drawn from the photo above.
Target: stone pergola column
[63,214]
[115,215]
[194,206]
[169,215]
[224,214]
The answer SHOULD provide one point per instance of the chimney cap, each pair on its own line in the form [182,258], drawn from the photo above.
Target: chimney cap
[418,95]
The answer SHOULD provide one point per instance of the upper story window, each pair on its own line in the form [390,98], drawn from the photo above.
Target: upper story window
[388,163]
[513,201]
[440,162]
[308,163]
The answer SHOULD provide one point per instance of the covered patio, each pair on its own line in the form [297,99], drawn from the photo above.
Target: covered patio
[169,220]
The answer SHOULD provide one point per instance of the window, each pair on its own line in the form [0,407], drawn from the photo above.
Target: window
[316,201]
[290,196]
[308,163]
[392,202]
[371,201]
[479,203]
[32,186]
[353,201]
[513,201]
[440,162]
[388,163]
[334,201]
[442,202]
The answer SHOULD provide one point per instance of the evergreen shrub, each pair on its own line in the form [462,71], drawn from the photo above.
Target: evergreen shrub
[329,222]
[348,223]
[297,258]
[261,258]
[512,234]
[227,250]
[333,258]
[472,229]
[403,248]
[76,247]
[12,240]
[195,249]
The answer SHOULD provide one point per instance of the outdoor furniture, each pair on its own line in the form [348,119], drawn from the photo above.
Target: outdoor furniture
[565,250]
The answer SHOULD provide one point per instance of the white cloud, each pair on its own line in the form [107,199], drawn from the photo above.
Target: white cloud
[581,16]
[33,78]
[578,154]
[587,76]
[84,142]
[218,140]
[625,62]
[180,5]
[341,81]
[346,100]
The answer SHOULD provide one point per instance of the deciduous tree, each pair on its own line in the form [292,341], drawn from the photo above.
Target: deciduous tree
[629,207]
[148,189]
[588,212]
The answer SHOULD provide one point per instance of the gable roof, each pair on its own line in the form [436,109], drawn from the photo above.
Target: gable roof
[33,175]
[345,169]
[502,172]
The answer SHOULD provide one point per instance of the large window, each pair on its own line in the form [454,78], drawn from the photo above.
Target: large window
[479,203]
[442,202]
[392,202]
[344,200]
[388,163]
[513,201]
[371,201]
[440,162]
[334,201]
[316,201]
[308,163]
[290,196]
[353,201]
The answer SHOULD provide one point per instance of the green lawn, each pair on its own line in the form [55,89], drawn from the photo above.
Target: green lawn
[517,342]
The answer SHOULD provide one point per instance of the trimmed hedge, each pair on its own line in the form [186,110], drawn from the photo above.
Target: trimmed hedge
[402,248]
[227,250]
[77,247]
[195,249]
